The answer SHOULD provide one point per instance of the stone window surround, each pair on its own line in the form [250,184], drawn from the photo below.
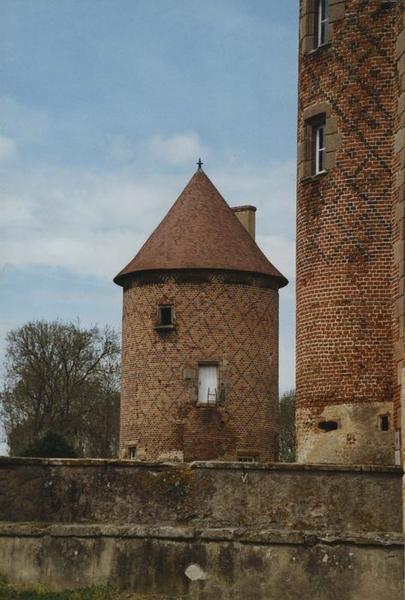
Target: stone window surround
[310,115]
[308,23]
[125,451]
[132,451]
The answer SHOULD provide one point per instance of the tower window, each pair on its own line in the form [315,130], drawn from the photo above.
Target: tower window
[207,384]
[319,146]
[384,422]
[132,452]
[165,316]
[322,22]
[320,141]
[328,425]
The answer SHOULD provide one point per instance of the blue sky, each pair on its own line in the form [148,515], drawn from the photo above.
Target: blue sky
[105,106]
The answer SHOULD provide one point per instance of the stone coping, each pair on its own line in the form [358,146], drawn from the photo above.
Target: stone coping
[188,534]
[214,465]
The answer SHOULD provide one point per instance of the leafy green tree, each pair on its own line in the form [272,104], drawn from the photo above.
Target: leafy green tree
[64,378]
[287,427]
[51,445]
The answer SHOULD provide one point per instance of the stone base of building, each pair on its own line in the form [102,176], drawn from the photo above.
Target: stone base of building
[356,434]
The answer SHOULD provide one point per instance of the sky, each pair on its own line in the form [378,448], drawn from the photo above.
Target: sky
[105,107]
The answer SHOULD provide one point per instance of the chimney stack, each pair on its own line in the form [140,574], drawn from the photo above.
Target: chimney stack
[247,216]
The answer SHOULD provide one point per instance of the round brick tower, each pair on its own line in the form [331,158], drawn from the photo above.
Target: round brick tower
[200,337]
[346,376]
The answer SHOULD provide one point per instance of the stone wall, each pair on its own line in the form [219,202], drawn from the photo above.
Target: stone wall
[204,530]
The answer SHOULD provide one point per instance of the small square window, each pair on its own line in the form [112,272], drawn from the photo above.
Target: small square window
[322,23]
[165,316]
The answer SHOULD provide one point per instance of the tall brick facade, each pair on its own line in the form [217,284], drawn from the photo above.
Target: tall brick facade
[399,220]
[350,231]
[203,264]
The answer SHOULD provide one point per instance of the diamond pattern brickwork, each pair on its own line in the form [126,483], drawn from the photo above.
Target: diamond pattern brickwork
[399,212]
[345,250]
[224,317]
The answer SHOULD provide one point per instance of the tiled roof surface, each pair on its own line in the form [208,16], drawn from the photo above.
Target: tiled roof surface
[200,231]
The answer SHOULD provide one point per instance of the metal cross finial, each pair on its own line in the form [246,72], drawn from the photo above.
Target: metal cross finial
[200,164]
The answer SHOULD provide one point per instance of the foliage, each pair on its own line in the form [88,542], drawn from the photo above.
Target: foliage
[99,593]
[287,427]
[95,593]
[63,378]
[51,445]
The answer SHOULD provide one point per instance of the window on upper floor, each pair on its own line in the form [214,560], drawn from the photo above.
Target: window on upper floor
[319,143]
[315,145]
[165,316]
[321,23]
[319,151]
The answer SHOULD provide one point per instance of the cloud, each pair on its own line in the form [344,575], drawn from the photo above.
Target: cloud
[96,254]
[8,148]
[269,186]
[280,250]
[92,222]
[24,123]
[121,149]
[180,149]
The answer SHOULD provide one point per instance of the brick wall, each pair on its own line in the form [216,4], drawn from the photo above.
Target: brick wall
[346,371]
[398,217]
[229,318]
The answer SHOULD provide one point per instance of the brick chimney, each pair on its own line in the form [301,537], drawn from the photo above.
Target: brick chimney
[247,216]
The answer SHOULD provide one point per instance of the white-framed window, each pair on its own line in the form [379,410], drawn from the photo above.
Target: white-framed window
[208,383]
[319,147]
[322,24]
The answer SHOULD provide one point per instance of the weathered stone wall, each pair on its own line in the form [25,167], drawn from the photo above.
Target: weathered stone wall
[229,318]
[346,370]
[204,530]
[221,567]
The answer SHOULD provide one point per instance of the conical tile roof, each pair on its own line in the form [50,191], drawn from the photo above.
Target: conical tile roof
[200,231]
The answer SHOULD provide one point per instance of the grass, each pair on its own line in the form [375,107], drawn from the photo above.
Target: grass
[8,592]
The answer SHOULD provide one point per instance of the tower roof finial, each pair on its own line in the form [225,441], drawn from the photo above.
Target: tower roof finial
[199,164]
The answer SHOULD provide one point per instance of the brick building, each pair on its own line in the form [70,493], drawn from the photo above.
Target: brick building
[350,230]
[200,336]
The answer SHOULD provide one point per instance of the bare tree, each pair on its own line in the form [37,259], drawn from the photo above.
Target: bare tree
[63,378]
[287,427]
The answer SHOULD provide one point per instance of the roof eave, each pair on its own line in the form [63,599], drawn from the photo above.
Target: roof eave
[123,276]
